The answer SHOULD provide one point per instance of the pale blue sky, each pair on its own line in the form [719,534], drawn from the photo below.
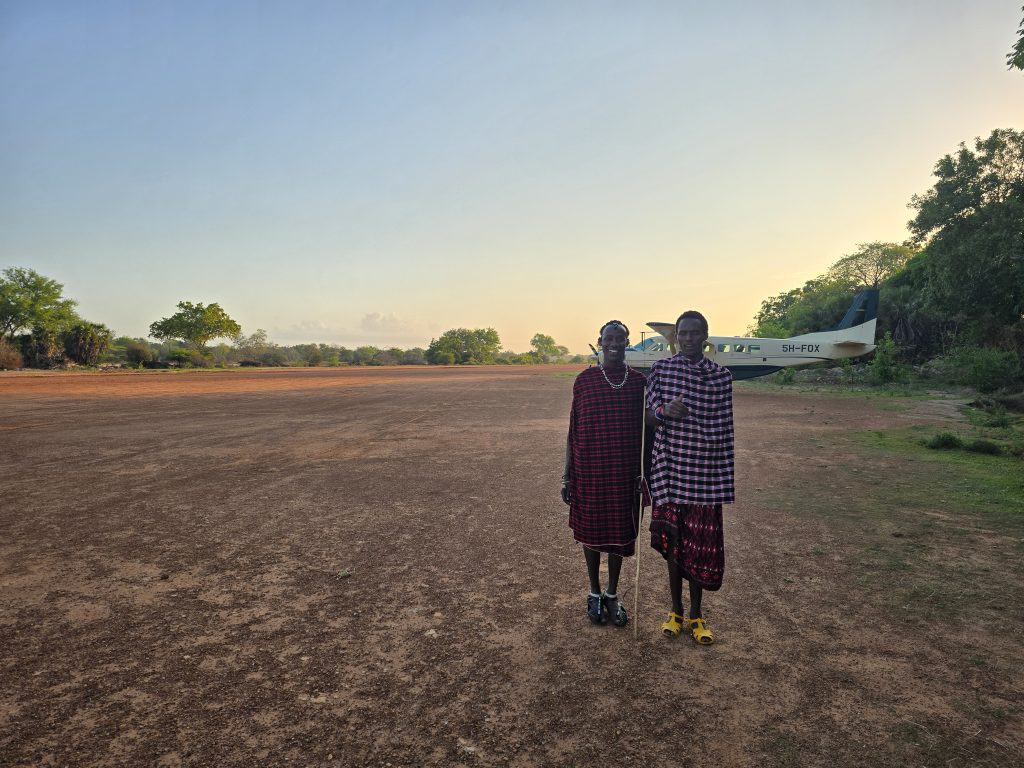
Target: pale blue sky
[379,172]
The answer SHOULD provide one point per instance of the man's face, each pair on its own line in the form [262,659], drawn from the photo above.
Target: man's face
[690,336]
[613,343]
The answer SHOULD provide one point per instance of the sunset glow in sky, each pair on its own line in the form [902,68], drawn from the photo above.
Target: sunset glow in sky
[380,172]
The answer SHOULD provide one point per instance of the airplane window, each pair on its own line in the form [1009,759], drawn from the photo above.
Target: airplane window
[709,347]
[755,347]
[739,347]
[724,348]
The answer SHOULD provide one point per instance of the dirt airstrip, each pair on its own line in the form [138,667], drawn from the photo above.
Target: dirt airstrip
[372,567]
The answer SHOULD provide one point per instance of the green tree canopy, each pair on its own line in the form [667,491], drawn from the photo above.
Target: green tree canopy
[1015,58]
[86,342]
[871,264]
[971,224]
[544,346]
[195,324]
[465,346]
[819,304]
[30,300]
[252,345]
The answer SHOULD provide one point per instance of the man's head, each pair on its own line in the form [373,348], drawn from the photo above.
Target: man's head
[691,332]
[613,339]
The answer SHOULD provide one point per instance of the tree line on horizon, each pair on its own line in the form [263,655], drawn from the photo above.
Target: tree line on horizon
[955,287]
[40,328]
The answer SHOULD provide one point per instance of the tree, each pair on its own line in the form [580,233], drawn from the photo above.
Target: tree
[30,300]
[309,354]
[819,304]
[138,352]
[85,342]
[465,346]
[253,345]
[42,348]
[545,349]
[1015,58]
[195,324]
[328,354]
[414,356]
[10,358]
[365,355]
[970,226]
[871,264]
[544,346]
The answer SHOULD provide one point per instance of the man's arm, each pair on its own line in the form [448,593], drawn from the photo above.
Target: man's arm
[567,473]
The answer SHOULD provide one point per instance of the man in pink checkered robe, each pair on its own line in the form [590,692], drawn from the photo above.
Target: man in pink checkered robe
[689,398]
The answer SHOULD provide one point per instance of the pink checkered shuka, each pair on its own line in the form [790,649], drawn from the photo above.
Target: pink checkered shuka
[692,461]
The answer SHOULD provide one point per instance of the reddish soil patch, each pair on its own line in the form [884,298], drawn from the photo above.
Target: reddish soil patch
[174,585]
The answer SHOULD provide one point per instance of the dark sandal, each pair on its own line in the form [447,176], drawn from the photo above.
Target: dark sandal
[595,608]
[613,608]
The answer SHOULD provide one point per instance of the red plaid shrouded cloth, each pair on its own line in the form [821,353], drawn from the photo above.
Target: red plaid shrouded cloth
[605,429]
[692,461]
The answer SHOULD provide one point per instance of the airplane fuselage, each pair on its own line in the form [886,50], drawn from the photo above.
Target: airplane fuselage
[750,356]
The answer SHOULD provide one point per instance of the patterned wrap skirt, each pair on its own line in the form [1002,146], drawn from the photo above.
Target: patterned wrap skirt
[692,536]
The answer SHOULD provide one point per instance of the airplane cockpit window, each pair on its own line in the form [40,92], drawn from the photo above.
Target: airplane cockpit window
[708,347]
[740,348]
[725,348]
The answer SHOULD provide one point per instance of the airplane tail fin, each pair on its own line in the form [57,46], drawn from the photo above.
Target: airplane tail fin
[861,317]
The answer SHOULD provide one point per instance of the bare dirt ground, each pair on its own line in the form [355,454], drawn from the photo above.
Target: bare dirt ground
[372,567]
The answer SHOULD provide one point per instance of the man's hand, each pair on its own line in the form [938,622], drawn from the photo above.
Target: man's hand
[566,493]
[676,409]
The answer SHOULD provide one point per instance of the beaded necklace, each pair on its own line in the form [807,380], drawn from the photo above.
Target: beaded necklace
[615,386]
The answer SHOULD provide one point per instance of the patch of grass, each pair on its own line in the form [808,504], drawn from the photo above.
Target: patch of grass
[984,446]
[992,486]
[905,390]
[944,441]
[931,535]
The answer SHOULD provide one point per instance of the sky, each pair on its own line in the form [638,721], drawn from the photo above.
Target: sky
[380,172]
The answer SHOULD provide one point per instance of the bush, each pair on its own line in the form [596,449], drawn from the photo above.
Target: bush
[414,356]
[1014,402]
[987,370]
[884,367]
[984,446]
[180,356]
[274,358]
[43,348]
[944,441]
[785,376]
[443,358]
[189,358]
[85,342]
[10,358]
[138,353]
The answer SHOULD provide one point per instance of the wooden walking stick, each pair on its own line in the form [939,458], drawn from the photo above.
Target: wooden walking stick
[640,491]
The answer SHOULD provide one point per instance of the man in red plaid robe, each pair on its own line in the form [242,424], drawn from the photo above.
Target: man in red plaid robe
[602,464]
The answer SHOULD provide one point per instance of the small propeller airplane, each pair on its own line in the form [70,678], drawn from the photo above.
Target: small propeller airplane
[749,357]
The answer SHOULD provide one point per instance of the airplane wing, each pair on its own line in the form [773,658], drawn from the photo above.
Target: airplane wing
[668,330]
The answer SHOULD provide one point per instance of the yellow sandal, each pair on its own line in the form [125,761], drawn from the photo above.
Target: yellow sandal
[702,634]
[674,626]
